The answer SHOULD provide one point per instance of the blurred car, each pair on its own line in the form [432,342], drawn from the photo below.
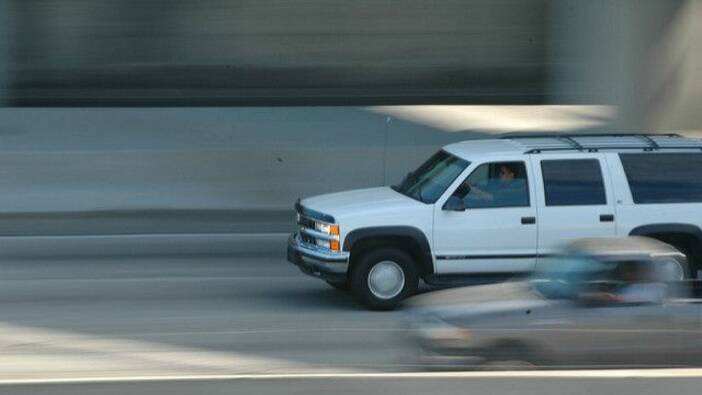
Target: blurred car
[604,301]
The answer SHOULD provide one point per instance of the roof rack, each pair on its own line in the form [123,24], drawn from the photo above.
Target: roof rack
[593,142]
[517,135]
[569,140]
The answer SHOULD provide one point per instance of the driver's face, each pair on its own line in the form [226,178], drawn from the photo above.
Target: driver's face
[506,174]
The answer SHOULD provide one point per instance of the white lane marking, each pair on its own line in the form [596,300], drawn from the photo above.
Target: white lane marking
[564,374]
[155,235]
[142,278]
[264,331]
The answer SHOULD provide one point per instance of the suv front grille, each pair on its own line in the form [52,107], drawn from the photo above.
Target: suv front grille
[307,239]
[306,222]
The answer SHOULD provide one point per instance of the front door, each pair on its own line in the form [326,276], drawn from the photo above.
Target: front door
[497,231]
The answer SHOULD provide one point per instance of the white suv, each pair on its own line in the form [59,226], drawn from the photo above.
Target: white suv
[484,209]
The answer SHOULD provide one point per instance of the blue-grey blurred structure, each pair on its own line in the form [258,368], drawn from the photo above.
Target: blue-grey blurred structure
[191,120]
[599,302]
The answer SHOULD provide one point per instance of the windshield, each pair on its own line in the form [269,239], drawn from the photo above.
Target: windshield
[431,179]
[561,277]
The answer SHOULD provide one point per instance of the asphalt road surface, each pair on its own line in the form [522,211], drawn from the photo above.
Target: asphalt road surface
[214,324]
[184,315]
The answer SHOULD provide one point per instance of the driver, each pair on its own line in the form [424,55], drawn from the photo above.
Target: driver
[507,188]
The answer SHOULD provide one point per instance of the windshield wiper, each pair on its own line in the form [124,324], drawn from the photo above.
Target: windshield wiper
[405,193]
[404,189]
[418,194]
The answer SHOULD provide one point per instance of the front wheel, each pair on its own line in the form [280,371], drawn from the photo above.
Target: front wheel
[384,277]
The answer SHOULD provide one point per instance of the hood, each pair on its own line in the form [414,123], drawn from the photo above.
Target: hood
[477,299]
[357,201]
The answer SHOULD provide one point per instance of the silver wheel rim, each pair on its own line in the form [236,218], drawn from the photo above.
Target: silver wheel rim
[386,280]
[672,270]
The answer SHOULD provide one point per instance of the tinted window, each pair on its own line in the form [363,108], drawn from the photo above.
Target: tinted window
[573,182]
[499,184]
[664,178]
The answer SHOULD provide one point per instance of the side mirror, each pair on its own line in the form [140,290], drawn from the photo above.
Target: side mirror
[454,203]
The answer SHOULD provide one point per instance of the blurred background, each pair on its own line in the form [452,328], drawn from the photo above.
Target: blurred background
[184,117]
[151,152]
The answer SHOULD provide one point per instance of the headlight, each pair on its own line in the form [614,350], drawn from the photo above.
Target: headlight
[333,245]
[327,228]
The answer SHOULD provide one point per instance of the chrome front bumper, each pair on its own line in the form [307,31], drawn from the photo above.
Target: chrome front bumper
[317,261]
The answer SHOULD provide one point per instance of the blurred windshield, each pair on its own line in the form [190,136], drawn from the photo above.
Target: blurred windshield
[561,277]
[431,179]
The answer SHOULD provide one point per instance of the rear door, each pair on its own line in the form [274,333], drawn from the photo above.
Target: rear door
[574,199]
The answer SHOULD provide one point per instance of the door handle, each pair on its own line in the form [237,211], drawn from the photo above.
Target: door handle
[528,220]
[606,217]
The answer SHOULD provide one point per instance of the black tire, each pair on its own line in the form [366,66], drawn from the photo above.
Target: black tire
[340,285]
[362,269]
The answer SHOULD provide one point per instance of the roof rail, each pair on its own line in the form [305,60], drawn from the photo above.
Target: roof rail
[596,149]
[518,135]
[571,142]
[647,138]
[593,142]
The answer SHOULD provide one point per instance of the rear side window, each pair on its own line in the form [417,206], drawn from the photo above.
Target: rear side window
[664,178]
[576,182]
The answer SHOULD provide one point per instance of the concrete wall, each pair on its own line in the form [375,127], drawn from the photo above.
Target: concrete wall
[197,170]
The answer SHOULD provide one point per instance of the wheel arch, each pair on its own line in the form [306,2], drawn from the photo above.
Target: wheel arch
[689,235]
[669,228]
[396,236]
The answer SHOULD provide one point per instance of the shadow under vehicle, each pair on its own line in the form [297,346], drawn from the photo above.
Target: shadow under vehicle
[603,302]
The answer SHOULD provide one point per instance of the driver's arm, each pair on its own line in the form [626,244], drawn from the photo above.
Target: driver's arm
[478,193]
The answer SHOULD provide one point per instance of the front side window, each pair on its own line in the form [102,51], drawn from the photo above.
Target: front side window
[497,184]
[432,178]
[664,178]
[573,182]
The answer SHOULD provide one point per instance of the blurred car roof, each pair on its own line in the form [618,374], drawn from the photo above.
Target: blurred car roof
[632,247]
